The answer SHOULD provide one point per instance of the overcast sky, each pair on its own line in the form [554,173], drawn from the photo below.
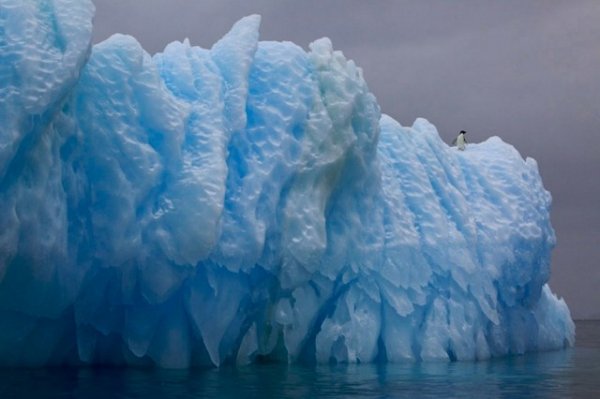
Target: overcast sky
[527,71]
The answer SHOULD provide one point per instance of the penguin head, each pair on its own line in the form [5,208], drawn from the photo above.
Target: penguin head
[463,132]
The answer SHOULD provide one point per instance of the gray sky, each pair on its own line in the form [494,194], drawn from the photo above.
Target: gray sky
[527,71]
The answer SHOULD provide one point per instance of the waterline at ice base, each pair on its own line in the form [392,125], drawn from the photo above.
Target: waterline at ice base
[202,207]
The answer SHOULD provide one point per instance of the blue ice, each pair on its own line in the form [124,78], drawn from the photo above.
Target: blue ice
[248,201]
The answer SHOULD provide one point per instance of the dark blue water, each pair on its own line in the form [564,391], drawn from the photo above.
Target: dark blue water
[574,373]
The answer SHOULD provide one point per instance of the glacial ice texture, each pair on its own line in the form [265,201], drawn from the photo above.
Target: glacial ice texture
[202,207]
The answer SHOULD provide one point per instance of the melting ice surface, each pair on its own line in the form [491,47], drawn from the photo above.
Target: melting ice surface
[202,207]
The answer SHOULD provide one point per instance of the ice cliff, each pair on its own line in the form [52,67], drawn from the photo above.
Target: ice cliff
[202,207]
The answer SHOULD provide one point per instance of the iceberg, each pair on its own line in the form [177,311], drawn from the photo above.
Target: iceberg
[201,207]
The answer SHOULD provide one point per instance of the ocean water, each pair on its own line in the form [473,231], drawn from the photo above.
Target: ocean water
[572,373]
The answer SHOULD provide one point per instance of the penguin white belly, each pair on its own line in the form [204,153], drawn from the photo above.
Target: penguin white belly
[461,142]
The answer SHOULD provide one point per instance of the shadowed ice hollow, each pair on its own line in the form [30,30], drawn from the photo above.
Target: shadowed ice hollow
[249,201]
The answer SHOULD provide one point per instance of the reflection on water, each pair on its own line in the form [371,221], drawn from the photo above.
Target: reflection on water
[572,373]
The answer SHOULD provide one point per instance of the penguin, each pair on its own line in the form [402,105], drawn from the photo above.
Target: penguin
[461,140]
